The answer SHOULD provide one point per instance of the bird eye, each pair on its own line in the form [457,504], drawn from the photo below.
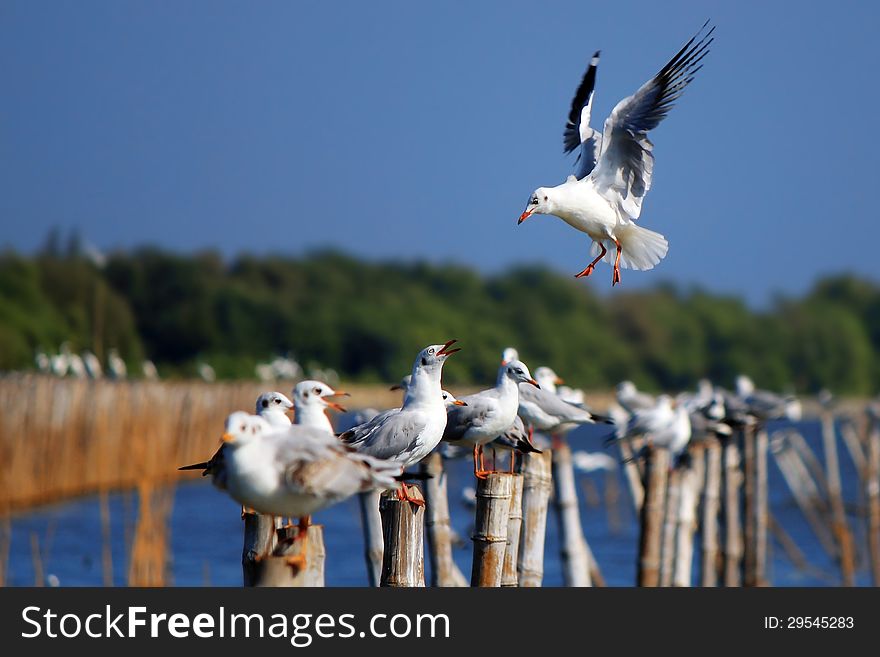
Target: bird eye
[277,401]
[535,200]
[431,350]
[265,403]
[518,371]
[306,395]
[243,428]
[317,391]
[445,396]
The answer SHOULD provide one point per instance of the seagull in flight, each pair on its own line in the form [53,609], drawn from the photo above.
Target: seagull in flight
[612,175]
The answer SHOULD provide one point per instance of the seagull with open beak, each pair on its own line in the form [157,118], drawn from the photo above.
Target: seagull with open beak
[311,399]
[409,433]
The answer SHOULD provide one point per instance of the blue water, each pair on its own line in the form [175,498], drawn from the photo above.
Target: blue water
[206,533]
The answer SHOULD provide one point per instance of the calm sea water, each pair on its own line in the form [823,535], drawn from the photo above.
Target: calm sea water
[206,533]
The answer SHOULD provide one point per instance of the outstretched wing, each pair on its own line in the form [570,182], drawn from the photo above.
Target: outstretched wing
[389,435]
[623,172]
[577,129]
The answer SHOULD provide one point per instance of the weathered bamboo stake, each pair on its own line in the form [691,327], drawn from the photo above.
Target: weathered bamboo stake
[750,506]
[872,493]
[812,464]
[403,528]
[733,545]
[839,526]
[259,541]
[537,485]
[371,523]
[855,448]
[106,546]
[490,528]
[514,528]
[762,506]
[656,469]
[444,571]
[633,477]
[691,482]
[285,567]
[711,506]
[597,579]
[804,490]
[670,524]
[575,559]
[794,553]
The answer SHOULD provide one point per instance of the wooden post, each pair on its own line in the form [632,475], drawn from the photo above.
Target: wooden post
[750,514]
[670,524]
[285,567]
[711,505]
[403,527]
[575,559]
[514,527]
[537,485]
[371,523]
[656,469]
[691,482]
[490,528]
[855,448]
[633,477]
[872,493]
[733,529]
[444,572]
[762,507]
[259,540]
[839,526]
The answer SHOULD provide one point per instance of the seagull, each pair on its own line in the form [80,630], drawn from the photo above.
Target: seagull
[295,471]
[92,365]
[408,434]
[310,403]
[516,439]
[663,425]
[631,399]
[273,407]
[115,365]
[545,411]
[613,172]
[765,405]
[488,413]
[148,367]
[508,355]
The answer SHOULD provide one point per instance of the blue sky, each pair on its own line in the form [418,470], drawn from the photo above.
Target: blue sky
[401,129]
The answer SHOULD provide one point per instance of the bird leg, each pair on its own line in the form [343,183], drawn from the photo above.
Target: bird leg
[403,496]
[615,277]
[481,472]
[512,460]
[298,562]
[589,268]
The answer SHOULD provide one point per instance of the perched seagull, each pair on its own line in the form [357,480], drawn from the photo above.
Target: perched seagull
[310,401]
[92,365]
[488,413]
[115,365]
[663,425]
[272,408]
[613,172]
[547,379]
[547,412]
[408,434]
[631,399]
[42,361]
[295,471]
[515,439]
[765,405]
[148,367]
[508,355]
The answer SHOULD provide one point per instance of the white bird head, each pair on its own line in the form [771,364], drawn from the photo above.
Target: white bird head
[273,401]
[432,357]
[508,355]
[517,371]
[316,393]
[547,378]
[450,400]
[744,386]
[243,428]
[540,202]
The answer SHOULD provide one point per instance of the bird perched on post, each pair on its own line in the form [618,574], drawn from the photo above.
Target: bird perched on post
[311,399]
[613,171]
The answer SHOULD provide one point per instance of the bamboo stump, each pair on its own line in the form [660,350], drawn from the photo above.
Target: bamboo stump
[733,545]
[838,514]
[670,526]
[259,540]
[656,471]
[711,505]
[872,494]
[574,553]
[691,482]
[537,484]
[285,567]
[490,528]
[762,507]
[444,572]
[750,514]
[403,528]
[514,528]
[633,476]
[374,546]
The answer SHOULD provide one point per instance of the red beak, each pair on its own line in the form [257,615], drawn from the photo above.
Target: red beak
[335,406]
[523,217]
[446,351]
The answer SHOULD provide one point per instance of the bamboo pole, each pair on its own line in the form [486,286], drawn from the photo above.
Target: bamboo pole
[403,528]
[733,545]
[839,526]
[633,477]
[537,484]
[574,555]
[711,506]
[856,449]
[294,563]
[812,465]
[670,524]
[371,523]
[762,507]
[656,469]
[490,528]
[514,528]
[258,543]
[750,506]
[106,544]
[691,482]
[444,571]
[872,494]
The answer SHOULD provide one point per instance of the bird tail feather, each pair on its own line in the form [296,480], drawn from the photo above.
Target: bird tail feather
[641,249]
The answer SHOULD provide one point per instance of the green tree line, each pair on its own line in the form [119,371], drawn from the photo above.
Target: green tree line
[368,319]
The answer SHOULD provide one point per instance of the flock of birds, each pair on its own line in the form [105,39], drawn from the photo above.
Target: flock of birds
[86,365]
[285,468]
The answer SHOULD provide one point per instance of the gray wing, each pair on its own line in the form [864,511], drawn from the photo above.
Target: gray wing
[578,132]
[480,408]
[553,405]
[626,163]
[389,435]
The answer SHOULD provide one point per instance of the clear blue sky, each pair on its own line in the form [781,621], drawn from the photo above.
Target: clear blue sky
[404,129]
